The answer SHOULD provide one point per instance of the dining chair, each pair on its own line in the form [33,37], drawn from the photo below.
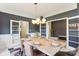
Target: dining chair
[74,53]
[77,54]
[31,51]
[67,52]
[28,49]
[15,51]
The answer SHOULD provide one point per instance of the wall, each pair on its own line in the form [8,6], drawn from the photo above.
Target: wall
[70,13]
[5,37]
[78,8]
[33,28]
[58,28]
[62,15]
[5,22]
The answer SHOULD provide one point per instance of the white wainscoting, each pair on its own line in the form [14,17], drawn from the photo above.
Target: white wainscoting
[4,44]
[5,39]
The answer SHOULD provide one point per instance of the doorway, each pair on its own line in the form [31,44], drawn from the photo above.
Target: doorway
[24,29]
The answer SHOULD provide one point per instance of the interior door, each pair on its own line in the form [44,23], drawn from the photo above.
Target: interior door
[43,29]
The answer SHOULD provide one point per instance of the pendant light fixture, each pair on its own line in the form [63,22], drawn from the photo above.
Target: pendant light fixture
[40,20]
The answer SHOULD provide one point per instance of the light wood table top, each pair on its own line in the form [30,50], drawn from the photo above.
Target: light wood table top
[47,46]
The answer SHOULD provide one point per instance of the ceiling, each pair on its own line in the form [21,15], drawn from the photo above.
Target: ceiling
[32,11]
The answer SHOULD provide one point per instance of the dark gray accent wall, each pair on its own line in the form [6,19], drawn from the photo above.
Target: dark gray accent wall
[58,28]
[78,8]
[5,22]
[64,14]
[61,15]
[33,27]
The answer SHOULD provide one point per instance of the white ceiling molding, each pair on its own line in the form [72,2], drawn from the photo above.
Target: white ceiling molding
[19,14]
[44,9]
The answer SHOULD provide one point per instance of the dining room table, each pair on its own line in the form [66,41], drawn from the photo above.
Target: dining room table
[48,46]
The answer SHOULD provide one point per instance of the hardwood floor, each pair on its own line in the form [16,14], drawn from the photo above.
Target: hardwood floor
[38,53]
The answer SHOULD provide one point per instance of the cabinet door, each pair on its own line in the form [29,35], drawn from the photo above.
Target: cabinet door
[43,29]
[73,32]
[73,44]
[15,32]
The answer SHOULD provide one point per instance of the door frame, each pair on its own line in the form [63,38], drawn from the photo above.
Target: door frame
[11,31]
[19,27]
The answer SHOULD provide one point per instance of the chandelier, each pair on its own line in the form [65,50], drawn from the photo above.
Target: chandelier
[40,20]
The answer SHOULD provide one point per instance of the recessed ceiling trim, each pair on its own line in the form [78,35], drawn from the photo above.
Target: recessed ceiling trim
[18,14]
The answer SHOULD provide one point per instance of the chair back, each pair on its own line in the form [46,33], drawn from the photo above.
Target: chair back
[28,49]
[15,51]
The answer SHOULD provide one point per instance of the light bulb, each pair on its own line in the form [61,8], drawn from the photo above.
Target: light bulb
[33,21]
[43,20]
[37,19]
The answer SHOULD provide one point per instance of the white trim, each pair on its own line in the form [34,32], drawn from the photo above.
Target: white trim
[12,11]
[12,41]
[28,27]
[67,33]
[57,19]
[47,30]
[40,29]
[14,20]
[18,14]
[73,17]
